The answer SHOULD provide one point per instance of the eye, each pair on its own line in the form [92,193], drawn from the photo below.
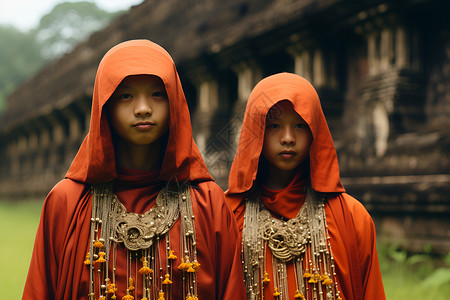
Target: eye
[272,126]
[124,96]
[301,125]
[159,94]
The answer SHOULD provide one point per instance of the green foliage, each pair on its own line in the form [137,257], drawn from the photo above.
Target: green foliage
[22,54]
[68,24]
[19,59]
[414,276]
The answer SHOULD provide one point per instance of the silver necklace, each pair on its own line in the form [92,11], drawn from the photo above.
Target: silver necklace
[302,241]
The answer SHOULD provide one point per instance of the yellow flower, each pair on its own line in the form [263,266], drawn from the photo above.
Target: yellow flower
[266,278]
[101,258]
[171,255]
[145,269]
[299,295]
[161,296]
[167,280]
[98,244]
[312,280]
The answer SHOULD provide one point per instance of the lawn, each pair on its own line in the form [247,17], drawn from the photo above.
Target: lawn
[405,276]
[18,224]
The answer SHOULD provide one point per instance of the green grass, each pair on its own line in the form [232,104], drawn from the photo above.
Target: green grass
[414,276]
[405,276]
[18,225]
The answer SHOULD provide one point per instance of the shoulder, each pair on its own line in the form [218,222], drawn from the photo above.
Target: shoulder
[209,198]
[65,195]
[207,186]
[355,207]
[348,206]
[208,190]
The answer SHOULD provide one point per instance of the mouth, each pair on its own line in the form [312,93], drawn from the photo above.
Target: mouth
[287,153]
[144,125]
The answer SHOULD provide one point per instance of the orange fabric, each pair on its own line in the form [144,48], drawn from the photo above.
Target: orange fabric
[95,161]
[57,270]
[323,159]
[351,228]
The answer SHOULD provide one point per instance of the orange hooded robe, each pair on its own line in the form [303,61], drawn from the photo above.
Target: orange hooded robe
[62,241]
[350,227]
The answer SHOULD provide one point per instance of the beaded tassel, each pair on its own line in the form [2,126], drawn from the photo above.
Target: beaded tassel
[112,224]
[308,250]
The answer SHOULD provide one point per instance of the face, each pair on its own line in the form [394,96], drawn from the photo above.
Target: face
[287,138]
[138,110]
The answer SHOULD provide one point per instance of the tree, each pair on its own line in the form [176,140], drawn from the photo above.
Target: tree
[58,32]
[68,24]
[19,59]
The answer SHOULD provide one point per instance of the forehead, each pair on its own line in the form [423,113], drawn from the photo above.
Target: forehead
[282,110]
[148,80]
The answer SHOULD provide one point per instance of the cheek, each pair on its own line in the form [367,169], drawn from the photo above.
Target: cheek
[163,112]
[268,145]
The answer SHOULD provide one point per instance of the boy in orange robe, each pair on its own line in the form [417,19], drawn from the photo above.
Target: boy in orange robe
[303,237]
[138,215]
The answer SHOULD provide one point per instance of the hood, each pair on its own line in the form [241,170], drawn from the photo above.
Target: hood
[324,168]
[95,161]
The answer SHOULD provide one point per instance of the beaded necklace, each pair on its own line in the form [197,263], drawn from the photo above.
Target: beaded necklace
[141,234]
[302,241]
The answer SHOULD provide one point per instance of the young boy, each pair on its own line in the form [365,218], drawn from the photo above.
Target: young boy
[138,215]
[303,237]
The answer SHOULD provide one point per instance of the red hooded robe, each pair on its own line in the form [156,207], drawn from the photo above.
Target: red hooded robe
[350,227]
[62,241]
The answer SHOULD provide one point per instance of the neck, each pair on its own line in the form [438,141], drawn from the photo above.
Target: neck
[277,179]
[139,157]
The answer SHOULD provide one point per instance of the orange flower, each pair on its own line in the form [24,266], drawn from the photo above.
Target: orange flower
[312,280]
[167,280]
[87,261]
[130,284]
[182,265]
[196,265]
[266,278]
[171,255]
[98,244]
[299,295]
[145,269]
[161,296]
[101,258]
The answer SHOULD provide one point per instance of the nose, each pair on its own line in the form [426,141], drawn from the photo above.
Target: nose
[287,136]
[143,106]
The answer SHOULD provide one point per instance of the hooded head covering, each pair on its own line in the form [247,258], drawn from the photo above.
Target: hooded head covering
[324,168]
[95,161]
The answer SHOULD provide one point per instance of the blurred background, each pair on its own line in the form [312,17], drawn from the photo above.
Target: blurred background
[381,68]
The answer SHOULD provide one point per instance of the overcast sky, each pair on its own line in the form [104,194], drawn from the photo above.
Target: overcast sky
[25,14]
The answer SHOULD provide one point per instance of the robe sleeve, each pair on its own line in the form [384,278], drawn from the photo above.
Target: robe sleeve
[366,243]
[45,274]
[223,243]
[43,271]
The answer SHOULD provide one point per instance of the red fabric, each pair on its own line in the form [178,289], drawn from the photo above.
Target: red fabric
[287,202]
[350,226]
[57,270]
